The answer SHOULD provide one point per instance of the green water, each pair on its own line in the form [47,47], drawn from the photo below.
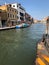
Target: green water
[18,47]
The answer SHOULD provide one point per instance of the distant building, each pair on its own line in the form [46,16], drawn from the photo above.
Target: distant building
[35,21]
[44,20]
[8,15]
[21,12]
[28,18]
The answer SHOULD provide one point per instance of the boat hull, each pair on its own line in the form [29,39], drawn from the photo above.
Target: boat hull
[23,25]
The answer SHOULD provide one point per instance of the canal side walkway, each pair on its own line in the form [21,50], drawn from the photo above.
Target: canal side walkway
[6,28]
[42,54]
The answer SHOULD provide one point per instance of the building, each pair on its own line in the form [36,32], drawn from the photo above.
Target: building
[3,18]
[21,12]
[28,18]
[35,21]
[44,19]
[8,15]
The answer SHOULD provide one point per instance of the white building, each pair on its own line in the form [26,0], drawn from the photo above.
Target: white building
[21,11]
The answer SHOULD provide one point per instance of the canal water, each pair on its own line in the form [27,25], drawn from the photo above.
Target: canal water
[18,47]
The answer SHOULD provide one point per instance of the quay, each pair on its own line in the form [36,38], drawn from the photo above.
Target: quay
[6,28]
[43,51]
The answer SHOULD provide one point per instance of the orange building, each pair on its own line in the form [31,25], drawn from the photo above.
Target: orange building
[8,15]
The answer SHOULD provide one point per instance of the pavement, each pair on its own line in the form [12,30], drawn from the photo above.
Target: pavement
[42,54]
[6,28]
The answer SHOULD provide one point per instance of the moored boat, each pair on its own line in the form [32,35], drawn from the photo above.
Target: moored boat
[23,25]
[18,26]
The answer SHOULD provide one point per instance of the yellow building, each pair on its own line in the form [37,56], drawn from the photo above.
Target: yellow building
[8,15]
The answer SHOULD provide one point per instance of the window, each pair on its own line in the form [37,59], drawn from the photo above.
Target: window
[17,17]
[15,11]
[13,16]
[10,9]
[21,8]
[10,5]
[17,5]
[13,5]
[21,14]
[21,18]
[8,14]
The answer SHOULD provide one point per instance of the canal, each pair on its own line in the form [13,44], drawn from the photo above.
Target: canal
[18,47]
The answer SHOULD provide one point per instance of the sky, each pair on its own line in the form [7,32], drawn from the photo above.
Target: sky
[38,9]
